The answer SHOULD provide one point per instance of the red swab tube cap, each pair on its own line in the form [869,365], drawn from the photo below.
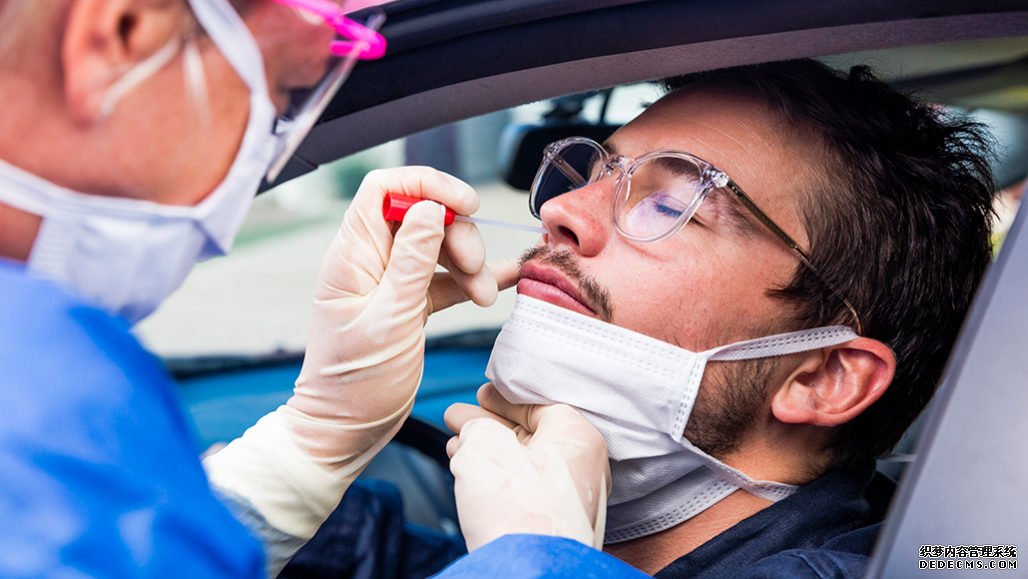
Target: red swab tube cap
[394,208]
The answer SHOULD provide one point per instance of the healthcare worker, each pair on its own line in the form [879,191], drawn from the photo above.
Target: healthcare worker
[135,134]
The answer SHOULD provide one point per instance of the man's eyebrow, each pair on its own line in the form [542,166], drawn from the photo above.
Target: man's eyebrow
[609,146]
[676,166]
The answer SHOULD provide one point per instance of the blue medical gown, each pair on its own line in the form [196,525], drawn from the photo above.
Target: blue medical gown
[98,472]
[538,557]
[99,476]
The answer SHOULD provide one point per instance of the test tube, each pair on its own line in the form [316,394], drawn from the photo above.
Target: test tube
[394,208]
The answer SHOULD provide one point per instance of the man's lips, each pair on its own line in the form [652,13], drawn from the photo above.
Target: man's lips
[547,284]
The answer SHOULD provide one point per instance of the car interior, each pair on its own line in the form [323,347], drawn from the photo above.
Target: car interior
[452,64]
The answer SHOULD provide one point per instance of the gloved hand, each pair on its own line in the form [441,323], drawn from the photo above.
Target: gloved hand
[539,469]
[365,351]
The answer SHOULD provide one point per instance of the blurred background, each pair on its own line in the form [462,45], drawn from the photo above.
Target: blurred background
[256,300]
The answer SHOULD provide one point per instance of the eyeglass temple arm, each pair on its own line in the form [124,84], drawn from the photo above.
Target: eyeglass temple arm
[568,171]
[763,218]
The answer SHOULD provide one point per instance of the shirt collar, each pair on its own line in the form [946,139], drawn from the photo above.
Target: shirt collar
[825,508]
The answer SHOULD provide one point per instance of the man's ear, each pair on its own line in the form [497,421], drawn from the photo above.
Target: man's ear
[834,385]
[102,41]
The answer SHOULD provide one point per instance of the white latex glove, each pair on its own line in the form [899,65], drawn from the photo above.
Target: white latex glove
[365,352]
[539,469]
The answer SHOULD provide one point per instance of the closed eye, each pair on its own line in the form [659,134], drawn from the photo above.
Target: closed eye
[667,210]
[666,205]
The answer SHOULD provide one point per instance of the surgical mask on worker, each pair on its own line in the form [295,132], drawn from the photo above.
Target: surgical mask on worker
[127,255]
[639,393]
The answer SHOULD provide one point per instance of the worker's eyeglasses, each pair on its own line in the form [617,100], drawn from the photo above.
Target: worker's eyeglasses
[654,195]
[354,42]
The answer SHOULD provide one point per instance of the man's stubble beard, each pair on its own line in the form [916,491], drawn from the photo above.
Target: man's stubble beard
[727,405]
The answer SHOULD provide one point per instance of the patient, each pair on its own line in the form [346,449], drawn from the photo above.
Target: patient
[788,198]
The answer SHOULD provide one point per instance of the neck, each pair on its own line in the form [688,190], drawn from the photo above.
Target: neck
[36,136]
[40,136]
[25,127]
[18,233]
[763,456]
[654,552]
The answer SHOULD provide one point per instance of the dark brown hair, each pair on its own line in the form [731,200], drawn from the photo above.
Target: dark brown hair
[900,223]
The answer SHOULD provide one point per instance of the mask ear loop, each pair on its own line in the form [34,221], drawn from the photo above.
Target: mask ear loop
[196,81]
[193,74]
[137,74]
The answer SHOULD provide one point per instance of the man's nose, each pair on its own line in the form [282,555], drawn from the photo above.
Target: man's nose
[580,218]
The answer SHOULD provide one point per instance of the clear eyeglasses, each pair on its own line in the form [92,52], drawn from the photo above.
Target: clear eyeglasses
[655,194]
[354,42]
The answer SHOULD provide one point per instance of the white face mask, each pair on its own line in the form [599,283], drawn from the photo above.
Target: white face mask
[639,393]
[127,255]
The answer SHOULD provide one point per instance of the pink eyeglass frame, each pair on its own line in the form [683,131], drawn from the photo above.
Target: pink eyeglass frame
[369,43]
[364,43]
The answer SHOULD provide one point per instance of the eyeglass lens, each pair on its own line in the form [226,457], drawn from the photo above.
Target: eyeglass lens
[657,197]
[564,169]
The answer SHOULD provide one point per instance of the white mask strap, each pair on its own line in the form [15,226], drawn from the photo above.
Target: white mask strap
[784,344]
[234,40]
[767,347]
[137,74]
[196,81]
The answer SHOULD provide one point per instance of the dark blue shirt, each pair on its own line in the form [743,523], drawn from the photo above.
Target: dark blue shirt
[826,529]
[366,537]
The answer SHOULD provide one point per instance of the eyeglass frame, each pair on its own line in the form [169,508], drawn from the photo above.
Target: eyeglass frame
[711,178]
[364,43]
